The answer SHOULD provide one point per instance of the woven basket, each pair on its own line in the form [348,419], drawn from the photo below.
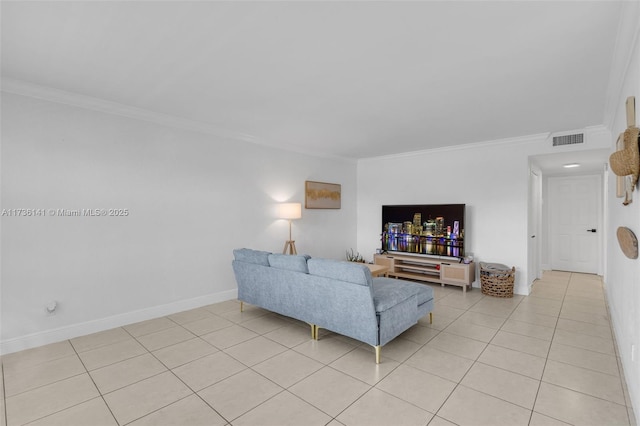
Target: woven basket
[496,279]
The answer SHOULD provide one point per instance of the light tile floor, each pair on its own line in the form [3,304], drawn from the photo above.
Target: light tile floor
[545,359]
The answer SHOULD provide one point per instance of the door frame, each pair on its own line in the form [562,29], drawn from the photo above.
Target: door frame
[534,234]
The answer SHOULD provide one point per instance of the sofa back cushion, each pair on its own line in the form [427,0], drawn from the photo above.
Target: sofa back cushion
[350,272]
[252,256]
[296,263]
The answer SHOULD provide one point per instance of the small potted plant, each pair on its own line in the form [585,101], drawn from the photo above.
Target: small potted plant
[354,257]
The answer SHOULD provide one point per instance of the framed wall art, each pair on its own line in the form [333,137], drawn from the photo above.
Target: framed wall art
[321,195]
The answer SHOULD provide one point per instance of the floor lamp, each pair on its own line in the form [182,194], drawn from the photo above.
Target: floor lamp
[290,211]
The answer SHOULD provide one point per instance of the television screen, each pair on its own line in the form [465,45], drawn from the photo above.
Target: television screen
[431,229]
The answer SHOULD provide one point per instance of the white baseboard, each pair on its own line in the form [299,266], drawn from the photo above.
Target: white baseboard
[81,329]
[627,368]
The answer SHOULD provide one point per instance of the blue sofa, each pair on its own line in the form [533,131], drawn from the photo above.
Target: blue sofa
[339,296]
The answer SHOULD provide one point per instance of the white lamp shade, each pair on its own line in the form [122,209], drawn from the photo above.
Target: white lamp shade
[290,211]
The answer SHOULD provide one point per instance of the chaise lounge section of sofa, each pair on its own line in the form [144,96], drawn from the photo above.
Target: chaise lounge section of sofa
[335,295]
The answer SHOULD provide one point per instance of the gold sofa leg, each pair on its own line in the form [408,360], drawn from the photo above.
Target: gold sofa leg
[377,348]
[430,317]
[241,306]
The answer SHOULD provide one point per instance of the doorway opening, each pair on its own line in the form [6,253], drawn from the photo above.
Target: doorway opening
[566,213]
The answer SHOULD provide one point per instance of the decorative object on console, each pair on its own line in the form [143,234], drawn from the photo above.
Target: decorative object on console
[290,211]
[628,242]
[320,195]
[354,257]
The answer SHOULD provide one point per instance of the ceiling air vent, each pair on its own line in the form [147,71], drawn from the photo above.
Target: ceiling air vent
[568,139]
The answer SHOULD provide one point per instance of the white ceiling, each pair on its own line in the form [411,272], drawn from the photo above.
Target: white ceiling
[349,79]
[590,162]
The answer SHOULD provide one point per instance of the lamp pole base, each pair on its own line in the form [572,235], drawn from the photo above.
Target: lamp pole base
[290,246]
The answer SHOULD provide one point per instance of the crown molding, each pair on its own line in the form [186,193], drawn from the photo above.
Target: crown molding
[24,88]
[627,43]
[20,87]
[519,140]
[506,141]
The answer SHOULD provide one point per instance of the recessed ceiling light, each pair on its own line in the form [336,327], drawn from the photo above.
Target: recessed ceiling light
[570,165]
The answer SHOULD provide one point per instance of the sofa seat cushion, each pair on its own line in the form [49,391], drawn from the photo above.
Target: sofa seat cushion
[388,292]
[297,263]
[425,293]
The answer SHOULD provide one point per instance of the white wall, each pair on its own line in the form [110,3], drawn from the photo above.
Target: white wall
[492,179]
[621,279]
[192,198]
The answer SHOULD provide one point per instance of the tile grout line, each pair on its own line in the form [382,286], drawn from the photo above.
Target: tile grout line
[570,389]
[546,357]
[535,400]
[275,383]
[94,383]
[66,378]
[194,392]
[475,361]
[173,373]
[249,367]
[115,390]
[4,395]
[464,375]
[182,381]
[325,365]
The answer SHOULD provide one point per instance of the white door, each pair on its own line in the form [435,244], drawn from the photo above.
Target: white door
[574,220]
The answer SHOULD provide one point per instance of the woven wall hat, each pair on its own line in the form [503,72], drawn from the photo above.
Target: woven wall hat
[627,160]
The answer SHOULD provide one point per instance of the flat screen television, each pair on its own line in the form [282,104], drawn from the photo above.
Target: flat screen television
[428,229]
